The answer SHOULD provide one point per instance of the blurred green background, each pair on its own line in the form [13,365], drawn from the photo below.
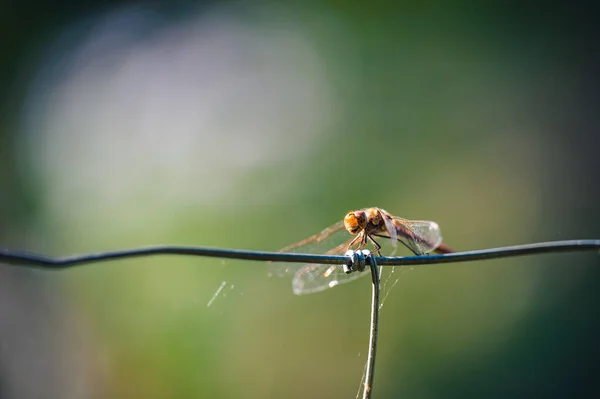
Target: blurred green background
[255,124]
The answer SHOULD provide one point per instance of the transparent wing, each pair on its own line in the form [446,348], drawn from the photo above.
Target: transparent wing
[420,236]
[323,242]
[310,278]
[391,230]
[316,278]
[321,237]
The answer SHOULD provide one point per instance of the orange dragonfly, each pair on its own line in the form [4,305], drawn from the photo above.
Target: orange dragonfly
[419,236]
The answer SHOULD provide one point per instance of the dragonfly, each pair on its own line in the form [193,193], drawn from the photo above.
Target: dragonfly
[365,227]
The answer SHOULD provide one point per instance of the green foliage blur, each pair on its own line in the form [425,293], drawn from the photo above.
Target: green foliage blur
[482,118]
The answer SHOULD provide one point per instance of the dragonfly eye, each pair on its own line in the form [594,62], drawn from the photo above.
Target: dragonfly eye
[355,222]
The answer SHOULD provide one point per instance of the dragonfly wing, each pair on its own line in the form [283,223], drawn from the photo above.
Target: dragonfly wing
[331,241]
[310,278]
[316,278]
[315,239]
[391,230]
[420,236]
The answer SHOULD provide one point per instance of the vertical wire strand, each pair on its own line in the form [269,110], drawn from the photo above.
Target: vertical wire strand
[374,327]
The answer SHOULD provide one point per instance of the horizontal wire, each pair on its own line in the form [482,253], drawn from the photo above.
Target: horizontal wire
[38,261]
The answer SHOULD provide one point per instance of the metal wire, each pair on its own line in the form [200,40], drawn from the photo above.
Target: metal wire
[26,259]
[374,326]
[352,261]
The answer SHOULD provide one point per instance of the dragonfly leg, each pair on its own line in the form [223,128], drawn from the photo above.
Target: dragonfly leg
[354,241]
[375,244]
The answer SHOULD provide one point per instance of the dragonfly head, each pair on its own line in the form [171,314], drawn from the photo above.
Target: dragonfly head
[355,222]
